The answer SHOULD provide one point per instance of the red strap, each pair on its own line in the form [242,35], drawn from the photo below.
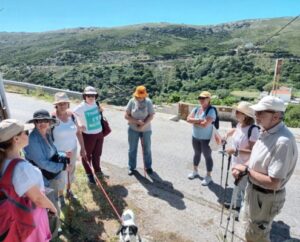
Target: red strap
[7,177]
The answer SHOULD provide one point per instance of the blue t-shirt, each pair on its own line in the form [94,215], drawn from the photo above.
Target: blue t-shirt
[200,132]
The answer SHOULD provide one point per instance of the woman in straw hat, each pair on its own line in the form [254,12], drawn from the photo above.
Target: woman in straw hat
[89,120]
[202,121]
[27,179]
[139,113]
[244,137]
[65,136]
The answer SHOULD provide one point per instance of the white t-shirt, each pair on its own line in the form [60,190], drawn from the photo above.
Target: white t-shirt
[89,116]
[25,176]
[241,141]
[64,135]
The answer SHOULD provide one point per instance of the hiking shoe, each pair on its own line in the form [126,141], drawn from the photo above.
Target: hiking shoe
[206,181]
[193,175]
[130,172]
[70,195]
[149,171]
[91,179]
[62,201]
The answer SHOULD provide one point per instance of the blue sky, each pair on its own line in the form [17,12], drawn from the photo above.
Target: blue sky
[43,15]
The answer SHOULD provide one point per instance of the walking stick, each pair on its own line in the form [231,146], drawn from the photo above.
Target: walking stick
[233,206]
[223,152]
[69,209]
[225,187]
[143,152]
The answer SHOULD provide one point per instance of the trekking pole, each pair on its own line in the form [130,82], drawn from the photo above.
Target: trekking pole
[225,188]
[233,206]
[143,152]
[223,152]
[69,210]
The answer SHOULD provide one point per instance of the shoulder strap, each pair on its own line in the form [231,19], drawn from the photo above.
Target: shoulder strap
[196,110]
[250,130]
[7,176]
[207,110]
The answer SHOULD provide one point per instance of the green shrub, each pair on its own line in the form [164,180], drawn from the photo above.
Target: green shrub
[292,116]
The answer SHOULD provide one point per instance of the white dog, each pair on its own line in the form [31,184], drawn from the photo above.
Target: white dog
[128,231]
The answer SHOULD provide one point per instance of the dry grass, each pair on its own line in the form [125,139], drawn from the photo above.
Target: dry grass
[92,218]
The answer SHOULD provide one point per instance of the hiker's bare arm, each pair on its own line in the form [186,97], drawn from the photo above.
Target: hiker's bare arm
[207,121]
[39,199]
[230,133]
[192,120]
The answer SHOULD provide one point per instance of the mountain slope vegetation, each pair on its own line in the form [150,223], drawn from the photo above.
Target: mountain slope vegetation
[175,62]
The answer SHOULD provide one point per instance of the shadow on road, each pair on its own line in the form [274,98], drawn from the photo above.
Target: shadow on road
[161,189]
[219,191]
[281,232]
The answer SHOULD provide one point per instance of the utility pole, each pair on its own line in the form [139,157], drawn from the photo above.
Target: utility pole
[276,77]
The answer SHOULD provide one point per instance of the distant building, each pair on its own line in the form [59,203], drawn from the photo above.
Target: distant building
[284,93]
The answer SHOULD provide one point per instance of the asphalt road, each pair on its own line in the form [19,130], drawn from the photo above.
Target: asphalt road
[169,202]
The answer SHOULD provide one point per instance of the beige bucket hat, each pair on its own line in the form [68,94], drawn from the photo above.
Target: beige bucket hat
[245,108]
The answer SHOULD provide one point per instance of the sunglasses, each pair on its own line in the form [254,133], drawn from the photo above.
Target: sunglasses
[39,121]
[201,98]
[90,95]
[26,132]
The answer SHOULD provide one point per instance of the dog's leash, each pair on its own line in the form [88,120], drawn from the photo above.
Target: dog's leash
[99,185]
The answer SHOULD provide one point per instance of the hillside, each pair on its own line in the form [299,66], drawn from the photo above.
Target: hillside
[173,61]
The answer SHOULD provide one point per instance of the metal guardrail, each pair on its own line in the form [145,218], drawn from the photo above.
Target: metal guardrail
[35,87]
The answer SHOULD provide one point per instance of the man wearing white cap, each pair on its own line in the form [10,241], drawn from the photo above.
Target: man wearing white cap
[271,164]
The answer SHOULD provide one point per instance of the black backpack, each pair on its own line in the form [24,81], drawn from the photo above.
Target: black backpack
[250,130]
[216,123]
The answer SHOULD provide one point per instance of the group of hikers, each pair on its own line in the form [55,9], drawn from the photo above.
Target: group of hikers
[38,168]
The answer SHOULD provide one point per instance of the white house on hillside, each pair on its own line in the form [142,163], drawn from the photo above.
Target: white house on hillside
[284,93]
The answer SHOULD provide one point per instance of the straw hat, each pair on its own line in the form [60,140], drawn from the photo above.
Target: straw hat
[140,92]
[61,97]
[245,108]
[11,127]
[205,94]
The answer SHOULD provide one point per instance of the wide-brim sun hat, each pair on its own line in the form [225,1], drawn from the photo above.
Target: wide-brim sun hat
[89,90]
[269,103]
[43,115]
[11,127]
[205,94]
[140,92]
[61,97]
[245,108]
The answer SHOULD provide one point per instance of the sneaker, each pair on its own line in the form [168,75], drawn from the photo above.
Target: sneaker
[130,172]
[91,179]
[206,181]
[149,171]
[62,201]
[193,175]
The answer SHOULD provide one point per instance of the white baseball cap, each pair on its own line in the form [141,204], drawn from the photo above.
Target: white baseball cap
[269,103]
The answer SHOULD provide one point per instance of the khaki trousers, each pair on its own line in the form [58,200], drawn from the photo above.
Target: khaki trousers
[258,212]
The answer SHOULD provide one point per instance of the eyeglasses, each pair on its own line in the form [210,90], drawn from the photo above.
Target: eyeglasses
[39,121]
[265,111]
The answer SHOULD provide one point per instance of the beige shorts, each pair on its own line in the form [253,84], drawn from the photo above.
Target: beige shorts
[258,212]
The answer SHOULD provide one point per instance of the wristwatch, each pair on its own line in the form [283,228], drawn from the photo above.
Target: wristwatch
[236,153]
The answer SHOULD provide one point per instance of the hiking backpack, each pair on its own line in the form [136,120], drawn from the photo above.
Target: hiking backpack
[250,130]
[216,123]
[15,212]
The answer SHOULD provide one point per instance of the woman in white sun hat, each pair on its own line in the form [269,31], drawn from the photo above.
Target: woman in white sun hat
[244,137]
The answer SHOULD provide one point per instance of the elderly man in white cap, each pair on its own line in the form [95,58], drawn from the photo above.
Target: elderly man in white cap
[270,166]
